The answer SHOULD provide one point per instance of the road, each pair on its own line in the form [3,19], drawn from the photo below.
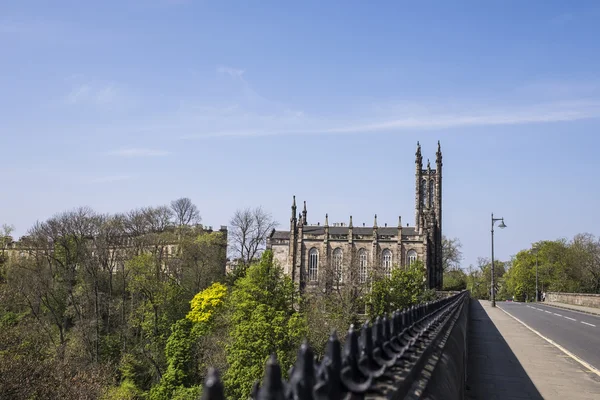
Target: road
[577,332]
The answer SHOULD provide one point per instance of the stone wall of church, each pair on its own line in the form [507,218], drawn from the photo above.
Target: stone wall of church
[280,254]
[349,250]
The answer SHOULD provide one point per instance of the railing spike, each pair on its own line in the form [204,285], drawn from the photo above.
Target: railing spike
[302,380]
[213,387]
[272,387]
[387,328]
[334,352]
[366,339]
[377,332]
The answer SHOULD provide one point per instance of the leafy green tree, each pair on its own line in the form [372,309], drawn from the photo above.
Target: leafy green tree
[455,279]
[404,288]
[520,279]
[479,279]
[263,321]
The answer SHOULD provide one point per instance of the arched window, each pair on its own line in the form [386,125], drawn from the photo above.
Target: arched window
[423,193]
[313,265]
[338,258]
[411,256]
[362,265]
[386,263]
[431,192]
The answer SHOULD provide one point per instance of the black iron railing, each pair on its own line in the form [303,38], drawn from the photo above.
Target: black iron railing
[418,353]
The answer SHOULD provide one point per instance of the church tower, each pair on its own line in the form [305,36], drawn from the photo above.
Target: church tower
[418,188]
[428,213]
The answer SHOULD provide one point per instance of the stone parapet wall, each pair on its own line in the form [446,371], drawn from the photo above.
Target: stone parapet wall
[578,299]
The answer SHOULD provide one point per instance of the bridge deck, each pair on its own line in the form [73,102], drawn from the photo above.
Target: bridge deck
[508,361]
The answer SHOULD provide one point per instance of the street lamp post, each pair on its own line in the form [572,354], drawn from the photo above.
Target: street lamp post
[501,226]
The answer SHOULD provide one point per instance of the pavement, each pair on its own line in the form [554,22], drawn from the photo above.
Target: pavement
[506,360]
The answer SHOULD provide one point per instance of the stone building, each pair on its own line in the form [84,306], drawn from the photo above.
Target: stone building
[121,247]
[312,254]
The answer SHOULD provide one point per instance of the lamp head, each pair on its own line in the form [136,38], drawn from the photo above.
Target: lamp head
[502,224]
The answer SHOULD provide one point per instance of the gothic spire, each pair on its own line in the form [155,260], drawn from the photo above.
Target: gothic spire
[399,221]
[350,224]
[438,155]
[418,157]
[428,165]
[294,208]
[326,220]
[304,213]
[375,222]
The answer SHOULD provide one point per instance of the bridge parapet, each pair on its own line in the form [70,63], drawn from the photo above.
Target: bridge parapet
[417,353]
[578,299]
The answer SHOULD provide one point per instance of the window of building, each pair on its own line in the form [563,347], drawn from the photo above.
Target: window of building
[423,193]
[386,263]
[338,257]
[431,192]
[411,256]
[313,265]
[362,265]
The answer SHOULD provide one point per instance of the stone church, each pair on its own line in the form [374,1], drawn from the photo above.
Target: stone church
[312,254]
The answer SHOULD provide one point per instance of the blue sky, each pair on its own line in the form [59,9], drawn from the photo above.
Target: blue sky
[122,104]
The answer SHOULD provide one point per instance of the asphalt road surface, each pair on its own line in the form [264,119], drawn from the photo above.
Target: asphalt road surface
[577,332]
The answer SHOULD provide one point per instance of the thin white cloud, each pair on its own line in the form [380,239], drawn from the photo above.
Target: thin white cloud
[139,152]
[298,124]
[233,72]
[111,179]
[245,113]
[89,93]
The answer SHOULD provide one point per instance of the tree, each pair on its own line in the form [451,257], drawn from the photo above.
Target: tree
[586,249]
[95,298]
[250,228]
[181,359]
[340,297]
[404,288]
[263,321]
[5,239]
[455,279]
[451,253]
[479,279]
[186,212]
[202,260]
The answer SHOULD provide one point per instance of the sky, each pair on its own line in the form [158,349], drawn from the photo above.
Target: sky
[122,104]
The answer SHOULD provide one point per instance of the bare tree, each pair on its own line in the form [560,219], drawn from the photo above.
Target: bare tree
[250,228]
[451,253]
[186,212]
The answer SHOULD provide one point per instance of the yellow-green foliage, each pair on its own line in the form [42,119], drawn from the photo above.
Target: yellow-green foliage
[204,304]
[184,336]
[125,391]
[263,321]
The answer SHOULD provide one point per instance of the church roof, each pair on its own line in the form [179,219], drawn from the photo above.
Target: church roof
[343,230]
